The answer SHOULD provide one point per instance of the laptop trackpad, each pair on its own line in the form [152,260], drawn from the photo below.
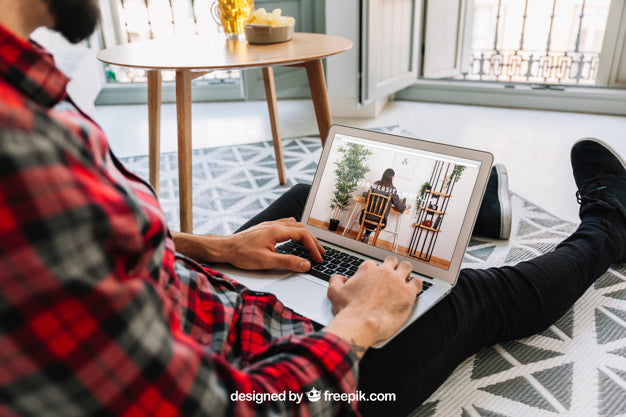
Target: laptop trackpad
[304,296]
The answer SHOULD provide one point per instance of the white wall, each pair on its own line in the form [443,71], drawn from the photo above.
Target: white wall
[380,160]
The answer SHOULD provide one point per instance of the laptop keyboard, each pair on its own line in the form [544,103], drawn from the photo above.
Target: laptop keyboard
[335,261]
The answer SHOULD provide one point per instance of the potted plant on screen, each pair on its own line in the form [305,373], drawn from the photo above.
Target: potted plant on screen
[457,172]
[454,176]
[351,168]
[421,196]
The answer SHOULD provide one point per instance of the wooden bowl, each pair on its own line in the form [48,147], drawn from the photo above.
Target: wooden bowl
[268,33]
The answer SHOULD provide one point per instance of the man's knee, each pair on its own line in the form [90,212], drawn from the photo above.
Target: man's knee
[297,196]
[300,191]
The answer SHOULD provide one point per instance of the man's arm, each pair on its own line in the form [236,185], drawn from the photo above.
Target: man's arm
[252,248]
[90,328]
[369,307]
[81,307]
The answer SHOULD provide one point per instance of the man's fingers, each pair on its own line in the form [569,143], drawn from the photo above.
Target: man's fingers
[403,271]
[299,233]
[335,284]
[417,284]
[287,220]
[313,244]
[391,262]
[290,262]
[337,279]
[314,247]
[404,268]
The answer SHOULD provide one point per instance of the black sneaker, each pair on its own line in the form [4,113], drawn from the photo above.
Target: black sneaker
[600,174]
[494,215]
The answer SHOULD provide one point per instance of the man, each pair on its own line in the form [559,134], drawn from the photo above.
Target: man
[99,315]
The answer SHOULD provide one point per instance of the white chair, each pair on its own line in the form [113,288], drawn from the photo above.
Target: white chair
[394,232]
[352,219]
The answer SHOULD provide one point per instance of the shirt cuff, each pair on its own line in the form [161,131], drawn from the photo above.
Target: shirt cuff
[331,352]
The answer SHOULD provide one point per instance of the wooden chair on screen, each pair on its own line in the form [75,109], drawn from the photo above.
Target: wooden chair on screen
[374,214]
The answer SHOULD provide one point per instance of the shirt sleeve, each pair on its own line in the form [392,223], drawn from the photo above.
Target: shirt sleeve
[85,329]
[397,203]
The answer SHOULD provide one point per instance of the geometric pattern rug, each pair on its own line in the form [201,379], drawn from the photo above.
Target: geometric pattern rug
[231,184]
[575,368]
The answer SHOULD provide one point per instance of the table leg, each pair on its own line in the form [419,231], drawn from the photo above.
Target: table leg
[317,84]
[154,127]
[356,204]
[270,95]
[395,236]
[183,119]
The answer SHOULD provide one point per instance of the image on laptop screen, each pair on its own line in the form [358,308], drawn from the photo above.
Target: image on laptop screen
[408,201]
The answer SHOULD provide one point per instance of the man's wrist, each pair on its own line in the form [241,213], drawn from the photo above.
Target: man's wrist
[202,248]
[359,330]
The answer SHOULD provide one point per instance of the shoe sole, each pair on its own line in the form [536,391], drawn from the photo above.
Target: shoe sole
[505,201]
[615,154]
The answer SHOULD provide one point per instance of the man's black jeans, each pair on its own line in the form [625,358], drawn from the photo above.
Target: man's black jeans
[485,307]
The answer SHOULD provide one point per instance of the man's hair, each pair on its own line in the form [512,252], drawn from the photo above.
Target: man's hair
[74,19]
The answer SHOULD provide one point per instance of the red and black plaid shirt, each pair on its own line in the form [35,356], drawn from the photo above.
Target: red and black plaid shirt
[98,314]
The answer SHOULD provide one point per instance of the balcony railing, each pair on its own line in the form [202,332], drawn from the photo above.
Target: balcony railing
[507,43]
[552,67]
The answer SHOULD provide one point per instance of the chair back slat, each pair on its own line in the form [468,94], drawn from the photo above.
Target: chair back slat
[374,213]
[376,205]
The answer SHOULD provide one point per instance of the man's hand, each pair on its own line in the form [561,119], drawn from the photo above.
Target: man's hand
[253,248]
[373,304]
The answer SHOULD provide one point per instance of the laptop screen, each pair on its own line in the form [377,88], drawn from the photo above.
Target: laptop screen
[407,201]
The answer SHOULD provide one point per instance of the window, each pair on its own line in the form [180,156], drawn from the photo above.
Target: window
[546,42]
[126,21]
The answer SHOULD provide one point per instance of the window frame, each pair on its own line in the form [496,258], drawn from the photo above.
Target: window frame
[613,46]
[606,98]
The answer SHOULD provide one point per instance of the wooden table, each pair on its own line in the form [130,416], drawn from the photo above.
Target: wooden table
[192,57]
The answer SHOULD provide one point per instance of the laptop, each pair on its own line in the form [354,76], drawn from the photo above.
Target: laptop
[441,187]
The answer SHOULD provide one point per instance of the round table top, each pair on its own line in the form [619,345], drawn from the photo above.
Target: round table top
[201,53]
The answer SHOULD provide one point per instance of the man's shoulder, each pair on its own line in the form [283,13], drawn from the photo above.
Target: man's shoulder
[17,113]
[25,130]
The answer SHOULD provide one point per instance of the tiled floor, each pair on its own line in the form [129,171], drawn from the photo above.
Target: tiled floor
[534,145]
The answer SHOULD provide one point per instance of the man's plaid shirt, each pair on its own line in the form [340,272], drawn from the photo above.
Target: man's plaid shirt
[98,314]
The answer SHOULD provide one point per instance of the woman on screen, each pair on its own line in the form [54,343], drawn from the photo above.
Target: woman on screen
[383,187]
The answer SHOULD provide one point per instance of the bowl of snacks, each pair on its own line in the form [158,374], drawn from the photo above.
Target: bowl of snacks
[263,27]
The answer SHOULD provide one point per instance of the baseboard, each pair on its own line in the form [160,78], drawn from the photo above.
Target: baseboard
[348,107]
[611,101]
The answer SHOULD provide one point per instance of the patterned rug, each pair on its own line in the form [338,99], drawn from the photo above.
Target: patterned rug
[231,184]
[575,368]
